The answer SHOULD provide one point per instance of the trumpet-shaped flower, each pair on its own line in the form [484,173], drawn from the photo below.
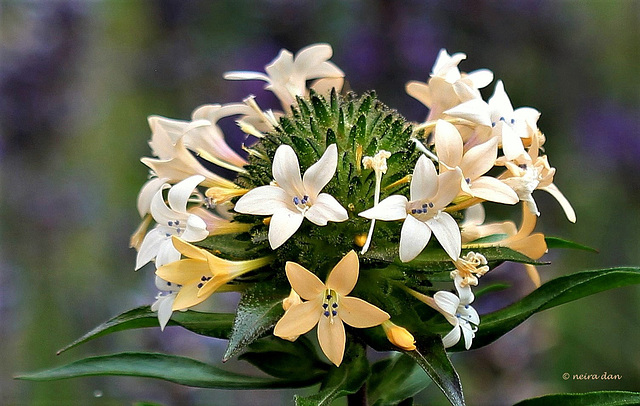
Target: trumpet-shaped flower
[287,76]
[501,121]
[172,220]
[473,163]
[423,214]
[294,198]
[462,316]
[447,86]
[201,273]
[328,306]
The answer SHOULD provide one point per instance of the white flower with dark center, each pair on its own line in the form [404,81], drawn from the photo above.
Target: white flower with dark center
[293,198]
[423,214]
[172,220]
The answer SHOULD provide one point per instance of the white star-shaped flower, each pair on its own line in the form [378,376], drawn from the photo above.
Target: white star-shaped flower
[423,214]
[294,198]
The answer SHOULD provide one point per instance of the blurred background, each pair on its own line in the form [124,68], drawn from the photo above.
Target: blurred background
[79,78]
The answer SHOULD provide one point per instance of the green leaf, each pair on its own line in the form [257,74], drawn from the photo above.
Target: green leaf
[603,398]
[185,371]
[395,379]
[553,293]
[342,381]
[258,311]
[284,359]
[555,242]
[432,357]
[216,325]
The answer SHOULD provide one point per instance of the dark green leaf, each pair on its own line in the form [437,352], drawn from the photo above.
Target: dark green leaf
[284,359]
[555,242]
[604,398]
[258,311]
[342,381]
[553,293]
[185,371]
[216,325]
[432,357]
[496,287]
[395,379]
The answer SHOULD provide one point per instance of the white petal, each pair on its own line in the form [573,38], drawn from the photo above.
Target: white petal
[419,91]
[467,331]
[326,208]
[392,208]
[424,183]
[181,191]
[470,314]
[150,246]
[284,223]
[167,253]
[452,337]
[286,170]
[263,200]
[196,229]
[511,143]
[566,206]
[244,75]
[148,190]
[163,306]
[494,190]
[414,236]
[448,143]
[320,173]
[448,303]
[479,159]
[476,111]
[499,103]
[447,232]
[480,78]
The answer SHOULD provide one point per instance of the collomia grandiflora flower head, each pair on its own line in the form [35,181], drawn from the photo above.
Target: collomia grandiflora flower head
[350,127]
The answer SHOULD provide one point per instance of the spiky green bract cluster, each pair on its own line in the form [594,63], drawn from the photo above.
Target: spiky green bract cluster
[359,126]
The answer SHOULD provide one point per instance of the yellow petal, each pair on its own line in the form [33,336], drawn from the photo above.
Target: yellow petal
[305,283]
[188,250]
[344,275]
[533,274]
[358,313]
[187,297]
[534,246]
[299,319]
[332,338]
[184,271]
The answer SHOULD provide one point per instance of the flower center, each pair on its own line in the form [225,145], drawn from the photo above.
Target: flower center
[302,203]
[330,304]
[421,209]
[176,225]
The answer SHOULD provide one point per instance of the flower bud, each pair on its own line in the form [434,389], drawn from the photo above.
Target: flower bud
[399,336]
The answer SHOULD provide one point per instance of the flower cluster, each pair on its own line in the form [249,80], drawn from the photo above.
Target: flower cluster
[313,179]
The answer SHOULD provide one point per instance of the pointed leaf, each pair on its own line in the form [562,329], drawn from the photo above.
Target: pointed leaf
[181,370]
[555,242]
[342,381]
[601,398]
[553,293]
[432,357]
[216,325]
[394,380]
[285,359]
[258,311]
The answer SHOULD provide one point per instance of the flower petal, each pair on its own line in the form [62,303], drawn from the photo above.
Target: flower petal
[448,188]
[446,230]
[189,250]
[320,173]
[147,192]
[180,192]
[187,297]
[286,170]
[492,189]
[150,247]
[263,200]
[326,208]
[305,283]
[414,236]
[475,110]
[284,223]
[566,206]
[166,254]
[424,183]
[452,337]
[332,338]
[344,275]
[448,303]
[448,144]
[467,331]
[358,313]
[392,208]
[184,272]
[196,229]
[299,319]
[478,160]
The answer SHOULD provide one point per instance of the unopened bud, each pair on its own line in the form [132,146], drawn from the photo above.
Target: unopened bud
[399,336]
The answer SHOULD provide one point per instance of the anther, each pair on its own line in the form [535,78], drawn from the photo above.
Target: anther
[328,297]
[325,305]
[333,312]
[326,314]
[200,285]
[430,204]
[296,200]
[334,305]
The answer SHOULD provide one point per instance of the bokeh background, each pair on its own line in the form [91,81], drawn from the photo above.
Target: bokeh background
[79,78]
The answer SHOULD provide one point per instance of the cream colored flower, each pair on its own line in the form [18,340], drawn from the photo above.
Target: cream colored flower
[327,306]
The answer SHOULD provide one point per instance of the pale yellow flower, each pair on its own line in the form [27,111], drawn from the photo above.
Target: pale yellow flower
[328,306]
[201,273]
[399,336]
